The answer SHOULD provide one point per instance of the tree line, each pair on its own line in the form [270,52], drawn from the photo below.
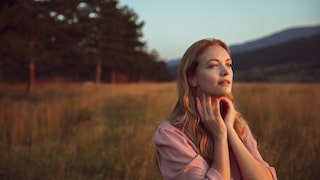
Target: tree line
[79,40]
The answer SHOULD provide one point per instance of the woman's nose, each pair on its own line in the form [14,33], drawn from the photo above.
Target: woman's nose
[224,71]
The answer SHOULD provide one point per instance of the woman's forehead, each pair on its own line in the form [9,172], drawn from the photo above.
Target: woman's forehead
[215,52]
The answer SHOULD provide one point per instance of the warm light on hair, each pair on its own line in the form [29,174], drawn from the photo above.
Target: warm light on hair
[185,115]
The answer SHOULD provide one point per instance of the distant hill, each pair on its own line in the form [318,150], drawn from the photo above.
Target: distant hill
[276,38]
[174,62]
[292,61]
[291,55]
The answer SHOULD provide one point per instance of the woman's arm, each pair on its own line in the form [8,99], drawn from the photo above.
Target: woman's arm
[209,111]
[250,168]
[221,160]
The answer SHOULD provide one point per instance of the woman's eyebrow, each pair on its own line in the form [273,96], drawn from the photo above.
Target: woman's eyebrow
[229,60]
[217,60]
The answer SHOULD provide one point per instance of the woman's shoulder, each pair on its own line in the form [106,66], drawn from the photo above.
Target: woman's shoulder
[166,132]
[167,135]
[166,126]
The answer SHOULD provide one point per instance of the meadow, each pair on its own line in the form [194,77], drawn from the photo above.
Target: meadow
[78,131]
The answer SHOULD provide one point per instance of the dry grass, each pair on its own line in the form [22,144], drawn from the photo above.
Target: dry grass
[104,132]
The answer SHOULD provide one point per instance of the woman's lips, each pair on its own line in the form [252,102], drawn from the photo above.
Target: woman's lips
[224,82]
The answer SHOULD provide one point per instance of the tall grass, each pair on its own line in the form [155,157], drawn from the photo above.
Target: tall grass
[104,132]
[285,119]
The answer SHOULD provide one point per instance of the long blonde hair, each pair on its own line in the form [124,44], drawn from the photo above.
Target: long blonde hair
[185,115]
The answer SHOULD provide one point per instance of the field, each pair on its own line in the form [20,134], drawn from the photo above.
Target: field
[77,131]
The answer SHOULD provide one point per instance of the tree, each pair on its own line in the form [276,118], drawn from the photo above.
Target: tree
[27,23]
[78,39]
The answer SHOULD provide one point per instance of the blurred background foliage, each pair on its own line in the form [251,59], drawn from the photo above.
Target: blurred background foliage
[76,40]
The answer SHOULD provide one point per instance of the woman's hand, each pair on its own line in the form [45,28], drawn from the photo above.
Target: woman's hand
[230,114]
[209,110]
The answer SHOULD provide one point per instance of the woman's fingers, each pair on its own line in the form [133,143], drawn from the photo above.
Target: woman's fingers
[199,107]
[206,108]
[204,104]
[217,108]
[230,112]
[209,111]
[209,107]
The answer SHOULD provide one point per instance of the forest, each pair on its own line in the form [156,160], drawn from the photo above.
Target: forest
[77,41]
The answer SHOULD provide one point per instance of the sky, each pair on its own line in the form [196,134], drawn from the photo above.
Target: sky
[171,26]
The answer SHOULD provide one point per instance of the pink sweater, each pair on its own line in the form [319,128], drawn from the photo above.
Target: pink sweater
[179,158]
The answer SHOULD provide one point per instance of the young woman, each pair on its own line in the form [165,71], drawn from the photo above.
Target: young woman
[205,137]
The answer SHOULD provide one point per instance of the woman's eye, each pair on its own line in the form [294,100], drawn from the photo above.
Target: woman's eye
[212,65]
[229,65]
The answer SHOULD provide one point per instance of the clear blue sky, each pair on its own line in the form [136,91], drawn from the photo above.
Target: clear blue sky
[172,25]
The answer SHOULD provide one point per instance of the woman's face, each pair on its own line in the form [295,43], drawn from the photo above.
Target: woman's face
[214,72]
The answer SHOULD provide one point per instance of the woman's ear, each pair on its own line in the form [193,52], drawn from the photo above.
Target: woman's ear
[193,81]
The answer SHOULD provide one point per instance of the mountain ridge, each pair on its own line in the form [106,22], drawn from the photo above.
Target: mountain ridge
[278,37]
[292,59]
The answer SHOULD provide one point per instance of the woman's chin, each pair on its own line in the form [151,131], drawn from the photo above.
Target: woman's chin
[217,91]
[220,94]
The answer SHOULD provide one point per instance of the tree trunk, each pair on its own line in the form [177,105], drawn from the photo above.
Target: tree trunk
[98,72]
[31,80]
[99,66]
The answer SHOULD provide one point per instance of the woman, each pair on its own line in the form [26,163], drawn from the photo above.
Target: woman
[205,137]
